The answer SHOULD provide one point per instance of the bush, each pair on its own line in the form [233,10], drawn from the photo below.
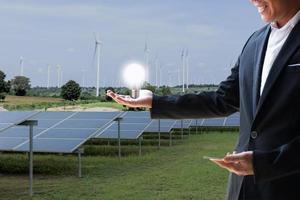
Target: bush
[71,91]
[2,96]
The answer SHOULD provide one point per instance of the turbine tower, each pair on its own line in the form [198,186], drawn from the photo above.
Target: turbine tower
[58,75]
[187,68]
[147,52]
[48,77]
[98,44]
[156,72]
[22,66]
[83,77]
[183,70]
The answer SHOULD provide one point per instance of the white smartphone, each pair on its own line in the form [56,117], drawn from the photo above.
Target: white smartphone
[212,158]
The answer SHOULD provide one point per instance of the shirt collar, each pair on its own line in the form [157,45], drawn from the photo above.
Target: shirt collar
[291,23]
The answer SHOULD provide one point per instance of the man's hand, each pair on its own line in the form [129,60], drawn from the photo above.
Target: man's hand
[240,163]
[144,100]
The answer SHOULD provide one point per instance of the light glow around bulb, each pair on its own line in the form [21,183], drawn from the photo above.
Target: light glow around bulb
[134,75]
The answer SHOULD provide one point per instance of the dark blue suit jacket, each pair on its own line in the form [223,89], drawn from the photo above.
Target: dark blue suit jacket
[269,124]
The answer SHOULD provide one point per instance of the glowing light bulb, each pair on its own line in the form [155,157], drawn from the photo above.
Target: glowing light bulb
[134,76]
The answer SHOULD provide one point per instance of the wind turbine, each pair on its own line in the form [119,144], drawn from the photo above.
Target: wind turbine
[98,44]
[58,67]
[146,53]
[156,71]
[83,77]
[187,68]
[183,70]
[22,66]
[48,77]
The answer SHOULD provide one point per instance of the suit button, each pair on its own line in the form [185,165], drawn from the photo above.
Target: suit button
[253,134]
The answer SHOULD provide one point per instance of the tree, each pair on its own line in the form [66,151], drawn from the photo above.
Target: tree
[70,91]
[4,86]
[165,90]
[148,86]
[20,84]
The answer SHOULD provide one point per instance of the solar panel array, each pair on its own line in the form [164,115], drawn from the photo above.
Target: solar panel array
[57,132]
[64,132]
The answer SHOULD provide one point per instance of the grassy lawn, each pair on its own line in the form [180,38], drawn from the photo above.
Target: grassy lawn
[33,103]
[102,104]
[177,172]
[17,100]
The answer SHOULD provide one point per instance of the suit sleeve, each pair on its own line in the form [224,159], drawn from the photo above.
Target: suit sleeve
[222,102]
[281,162]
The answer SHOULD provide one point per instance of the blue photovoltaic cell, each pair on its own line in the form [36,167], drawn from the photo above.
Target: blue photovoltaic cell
[5,126]
[123,126]
[214,122]
[18,132]
[52,115]
[133,114]
[235,115]
[7,144]
[14,117]
[232,122]
[135,120]
[52,145]
[124,134]
[96,115]
[165,126]
[197,122]
[46,123]
[186,124]
[76,123]
[68,133]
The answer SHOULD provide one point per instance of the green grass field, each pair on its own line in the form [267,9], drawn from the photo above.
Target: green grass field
[19,103]
[177,172]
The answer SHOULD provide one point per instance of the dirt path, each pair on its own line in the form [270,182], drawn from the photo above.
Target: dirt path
[78,108]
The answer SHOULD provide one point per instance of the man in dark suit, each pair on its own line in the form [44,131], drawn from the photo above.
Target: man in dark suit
[264,86]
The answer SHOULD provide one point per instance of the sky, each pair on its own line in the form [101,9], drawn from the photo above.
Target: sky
[61,32]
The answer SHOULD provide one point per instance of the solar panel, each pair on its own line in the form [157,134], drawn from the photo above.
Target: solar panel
[186,124]
[165,126]
[82,123]
[67,133]
[57,131]
[57,145]
[18,132]
[136,120]
[197,122]
[95,115]
[140,114]
[232,122]
[214,122]
[14,117]
[124,134]
[9,119]
[46,123]
[52,115]
[7,144]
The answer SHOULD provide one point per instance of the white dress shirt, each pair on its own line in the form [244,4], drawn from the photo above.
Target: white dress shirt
[277,38]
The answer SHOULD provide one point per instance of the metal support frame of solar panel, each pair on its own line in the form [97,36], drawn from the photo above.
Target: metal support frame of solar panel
[183,124]
[59,132]
[132,126]
[161,126]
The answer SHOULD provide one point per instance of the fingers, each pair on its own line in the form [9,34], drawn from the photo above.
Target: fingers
[238,157]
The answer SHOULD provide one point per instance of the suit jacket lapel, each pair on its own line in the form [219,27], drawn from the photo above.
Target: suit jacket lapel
[261,46]
[290,46]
